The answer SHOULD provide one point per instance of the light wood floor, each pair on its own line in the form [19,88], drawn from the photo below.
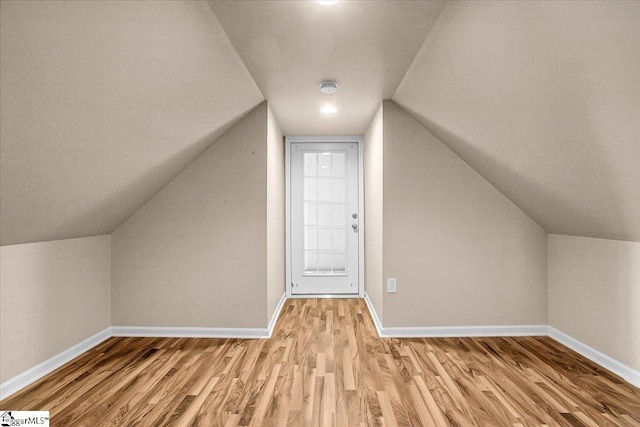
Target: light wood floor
[325,365]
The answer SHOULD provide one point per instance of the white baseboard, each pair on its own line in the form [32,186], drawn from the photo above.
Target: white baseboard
[276,314]
[466,331]
[200,332]
[324,296]
[188,332]
[453,331]
[629,374]
[31,375]
[374,315]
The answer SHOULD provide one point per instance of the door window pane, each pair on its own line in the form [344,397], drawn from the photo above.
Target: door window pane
[324,190]
[310,238]
[324,240]
[338,263]
[324,263]
[310,261]
[337,190]
[338,215]
[325,214]
[338,163]
[324,164]
[338,241]
[310,214]
[310,188]
[310,164]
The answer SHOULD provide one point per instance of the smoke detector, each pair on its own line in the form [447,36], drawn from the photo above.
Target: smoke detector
[328,87]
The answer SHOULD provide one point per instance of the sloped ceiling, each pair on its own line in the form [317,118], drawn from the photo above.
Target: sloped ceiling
[291,46]
[542,99]
[102,103]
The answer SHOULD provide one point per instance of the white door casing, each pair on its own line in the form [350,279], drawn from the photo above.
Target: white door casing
[324,216]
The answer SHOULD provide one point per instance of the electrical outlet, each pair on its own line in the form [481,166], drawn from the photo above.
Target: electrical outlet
[392,287]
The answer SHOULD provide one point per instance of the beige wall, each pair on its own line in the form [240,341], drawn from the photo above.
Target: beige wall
[53,295]
[594,294]
[373,198]
[463,254]
[196,254]
[275,215]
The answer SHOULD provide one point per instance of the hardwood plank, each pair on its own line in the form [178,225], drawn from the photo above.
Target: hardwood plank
[325,366]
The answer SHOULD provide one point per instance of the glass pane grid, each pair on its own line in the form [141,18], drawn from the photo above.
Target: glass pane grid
[324,222]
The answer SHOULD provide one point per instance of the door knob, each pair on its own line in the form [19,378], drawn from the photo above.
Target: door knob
[355,227]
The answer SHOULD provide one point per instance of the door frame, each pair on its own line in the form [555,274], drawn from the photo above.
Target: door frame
[329,139]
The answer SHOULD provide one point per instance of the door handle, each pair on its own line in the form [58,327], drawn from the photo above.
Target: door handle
[355,227]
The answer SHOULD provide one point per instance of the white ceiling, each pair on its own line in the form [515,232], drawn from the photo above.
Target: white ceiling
[102,104]
[289,47]
[542,99]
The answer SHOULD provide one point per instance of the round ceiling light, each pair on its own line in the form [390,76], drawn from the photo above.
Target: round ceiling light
[328,87]
[326,2]
[328,109]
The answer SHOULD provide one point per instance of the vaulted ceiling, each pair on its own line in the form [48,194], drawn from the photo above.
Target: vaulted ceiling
[543,100]
[103,103]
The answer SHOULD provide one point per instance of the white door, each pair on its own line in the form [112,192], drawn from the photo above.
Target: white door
[324,218]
